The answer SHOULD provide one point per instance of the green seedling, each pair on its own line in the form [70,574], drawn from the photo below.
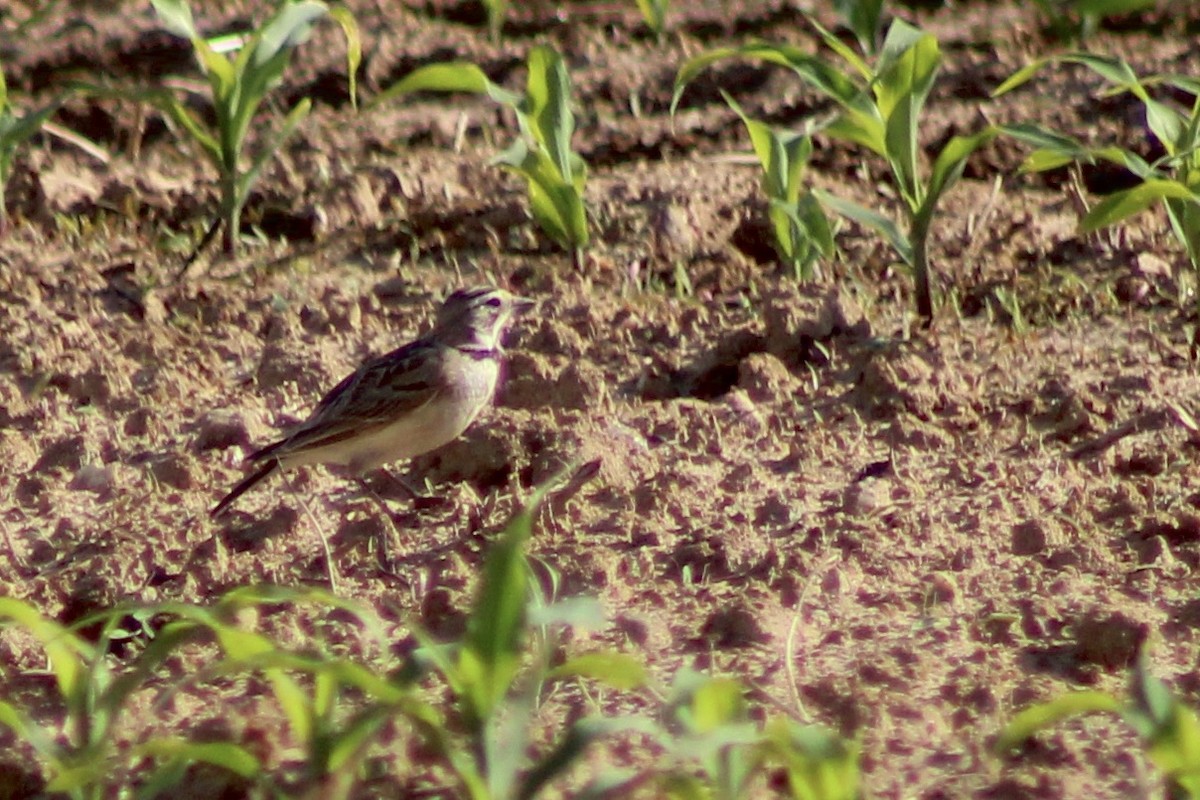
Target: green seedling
[714,750]
[493,697]
[310,687]
[554,174]
[654,14]
[1169,729]
[1077,20]
[880,103]
[802,232]
[14,131]
[1172,179]
[238,84]
[79,762]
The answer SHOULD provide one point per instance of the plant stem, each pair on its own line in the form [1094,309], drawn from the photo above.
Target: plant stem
[231,213]
[919,233]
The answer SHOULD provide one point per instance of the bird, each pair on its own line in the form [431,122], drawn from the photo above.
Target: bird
[403,403]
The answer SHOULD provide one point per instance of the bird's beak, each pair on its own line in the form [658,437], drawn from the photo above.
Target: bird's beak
[522,304]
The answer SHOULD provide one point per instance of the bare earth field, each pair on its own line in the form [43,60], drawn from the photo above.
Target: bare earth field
[906,535]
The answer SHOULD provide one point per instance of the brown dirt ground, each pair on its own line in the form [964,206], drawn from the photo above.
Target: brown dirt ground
[904,535]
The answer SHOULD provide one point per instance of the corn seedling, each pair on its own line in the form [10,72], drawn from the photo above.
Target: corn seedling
[802,232]
[1172,179]
[237,87]
[1168,728]
[654,14]
[14,131]
[880,108]
[494,698]
[80,762]
[310,688]
[554,174]
[714,750]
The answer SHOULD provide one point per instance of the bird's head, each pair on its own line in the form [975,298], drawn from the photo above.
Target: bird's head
[478,317]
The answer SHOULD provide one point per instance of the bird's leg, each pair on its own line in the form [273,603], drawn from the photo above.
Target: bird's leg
[413,492]
[331,567]
[383,548]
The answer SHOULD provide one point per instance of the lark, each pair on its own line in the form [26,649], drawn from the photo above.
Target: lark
[404,403]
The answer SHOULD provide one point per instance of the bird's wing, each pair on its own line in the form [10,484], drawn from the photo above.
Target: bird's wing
[379,392]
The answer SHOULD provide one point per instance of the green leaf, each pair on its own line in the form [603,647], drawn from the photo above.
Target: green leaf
[814,70]
[14,130]
[345,18]
[453,76]
[176,17]
[654,12]
[877,222]
[861,124]
[1044,160]
[223,77]
[819,764]
[815,223]
[693,67]
[1121,205]
[184,118]
[716,703]
[768,147]
[618,670]
[1039,717]
[1054,149]
[853,59]
[863,17]
[1112,69]
[297,706]
[908,66]
[949,164]
[496,626]
[26,730]
[1167,124]
[68,653]
[571,747]
[290,27]
[271,148]
[1020,77]
[548,105]
[1123,158]
[556,204]
[226,755]
[350,742]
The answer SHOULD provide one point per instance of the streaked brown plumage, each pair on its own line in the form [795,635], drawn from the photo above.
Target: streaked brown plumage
[406,402]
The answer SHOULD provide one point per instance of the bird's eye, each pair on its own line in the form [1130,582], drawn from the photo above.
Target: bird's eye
[494,302]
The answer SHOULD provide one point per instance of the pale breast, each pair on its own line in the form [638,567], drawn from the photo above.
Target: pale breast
[467,387]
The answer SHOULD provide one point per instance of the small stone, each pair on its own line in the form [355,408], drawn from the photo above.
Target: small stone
[220,429]
[674,232]
[174,470]
[1029,538]
[137,423]
[1111,642]
[866,497]
[765,378]
[64,454]
[92,478]
[1151,266]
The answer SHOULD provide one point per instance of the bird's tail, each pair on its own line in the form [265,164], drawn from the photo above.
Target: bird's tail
[263,471]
